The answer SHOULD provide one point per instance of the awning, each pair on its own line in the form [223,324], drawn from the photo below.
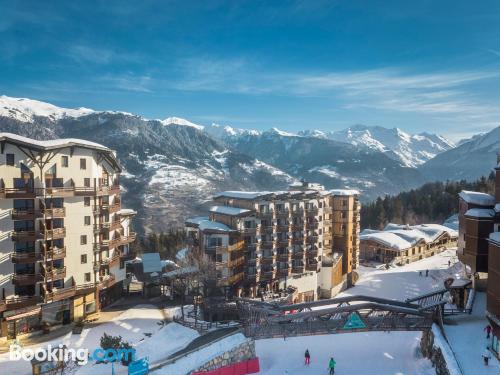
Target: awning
[24,315]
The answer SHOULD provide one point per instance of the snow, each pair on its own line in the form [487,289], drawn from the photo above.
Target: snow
[196,220]
[214,225]
[282,133]
[475,197]
[127,212]
[243,194]
[468,340]
[344,192]
[180,121]
[497,207]
[452,222]
[198,358]
[132,325]
[386,238]
[225,210]
[24,109]
[446,350]
[481,212]
[495,237]
[54,143]
[374,353]
[181,254]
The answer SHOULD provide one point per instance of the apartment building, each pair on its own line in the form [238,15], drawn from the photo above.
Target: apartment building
[264,242]
[64,235]
[403,244]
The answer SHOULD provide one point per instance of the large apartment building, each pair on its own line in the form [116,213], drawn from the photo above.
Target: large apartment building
[264,242]
[64,235]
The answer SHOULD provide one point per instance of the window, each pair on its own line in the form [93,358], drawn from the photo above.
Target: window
[86,182]
[10,159]
[64,161]
[83,239]
[86,201]
[83,258]
[87,277]
[86,220]
[83,164]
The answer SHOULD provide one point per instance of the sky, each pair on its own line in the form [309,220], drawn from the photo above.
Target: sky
[310,64]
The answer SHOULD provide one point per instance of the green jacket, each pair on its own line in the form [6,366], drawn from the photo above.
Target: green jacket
[332,363]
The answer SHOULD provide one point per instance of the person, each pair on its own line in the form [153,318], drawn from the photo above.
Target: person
[426,273]
[420,273]
[331,366]
[487,329]
[307,357]
[449,263]
[486,356]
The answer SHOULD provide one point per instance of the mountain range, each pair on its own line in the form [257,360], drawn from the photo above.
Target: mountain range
[173,166]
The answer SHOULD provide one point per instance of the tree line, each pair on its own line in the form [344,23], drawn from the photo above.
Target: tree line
[433,202]
[165,243]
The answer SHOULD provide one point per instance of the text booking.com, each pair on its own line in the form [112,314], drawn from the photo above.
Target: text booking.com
[61,353]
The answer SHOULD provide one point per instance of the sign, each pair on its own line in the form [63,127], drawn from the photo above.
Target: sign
[139,367]
[354,321]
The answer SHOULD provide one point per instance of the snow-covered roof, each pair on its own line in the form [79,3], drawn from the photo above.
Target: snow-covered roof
[481,212]
[388,239]
[52,144]
[346,192]
[226,210]
[497,207]
[452,222]
[196,220]
[214,226]
[495,237]
[243,194]
[127,212]
[475,197]
[398,235]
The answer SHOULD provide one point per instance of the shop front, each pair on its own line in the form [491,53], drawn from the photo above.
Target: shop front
[21,321]
[57,313]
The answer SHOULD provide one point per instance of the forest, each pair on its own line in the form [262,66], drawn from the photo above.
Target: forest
[433,202]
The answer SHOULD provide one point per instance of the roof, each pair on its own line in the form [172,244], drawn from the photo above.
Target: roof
[127,212]
[400,237]
[495,237]
[226,210]
[478,198]
[497,207]
[151,262]
[196,220]
[243,194]
[344,192]
[481,212]
[208,225]
[53,143]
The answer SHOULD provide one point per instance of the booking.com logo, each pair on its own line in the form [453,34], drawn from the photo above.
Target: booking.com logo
[61,353]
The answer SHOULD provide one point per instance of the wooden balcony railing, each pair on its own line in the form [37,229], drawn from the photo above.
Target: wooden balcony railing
[26,235]
[84,288]
[59,294]
[57,191]
[236,246]
[23,258]
[26,279]
[97,191]
[236,262]
[55,253]
[13,303]
[25,214]
[54,213]
[25,192]
[54,234]
[54,273]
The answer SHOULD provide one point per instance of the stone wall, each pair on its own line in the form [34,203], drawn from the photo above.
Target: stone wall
[242,352]
[432,347]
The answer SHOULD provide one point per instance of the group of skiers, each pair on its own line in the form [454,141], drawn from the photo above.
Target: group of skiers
[487,354]
[426,273]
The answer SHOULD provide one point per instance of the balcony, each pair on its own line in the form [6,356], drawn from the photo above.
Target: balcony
[282,213]
[312,252]
[106,227]
[312,211]
[98,191]
[59,294]
[25,214]
[13,303]
[284,242]
[282,272]
[298,269]
[282,227]
[54,273]
[23,258]
[297,254]
[251,230]
[312,266]
[266,275]
[283,257]
[236,246]
[25,192]
[55,253]
[57,192]
[265,214]
[26,279]
[115,242]
[53,213]
[54,234]
[312,238]
[267,244]
[252,277]
[106,281]
[312,225]
[106,207]
[236,263]
[84,288]
[26,235]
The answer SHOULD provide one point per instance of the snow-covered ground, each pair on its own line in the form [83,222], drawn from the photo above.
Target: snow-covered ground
[468,339]
[141,326]
[369,352]
[374,353]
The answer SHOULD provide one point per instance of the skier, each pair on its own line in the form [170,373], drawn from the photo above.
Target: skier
[307,357]
[449,263]
[419,273]
[486,356]
[487,329]
[331,366]
[426,273]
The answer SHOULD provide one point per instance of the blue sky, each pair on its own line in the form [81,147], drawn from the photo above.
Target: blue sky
[418,65]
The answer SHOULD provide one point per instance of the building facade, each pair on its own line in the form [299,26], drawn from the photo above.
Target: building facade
[306,238]
[63,232]
[403,244]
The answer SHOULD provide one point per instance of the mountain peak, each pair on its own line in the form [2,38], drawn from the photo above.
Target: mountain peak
[180,121]
[281,132]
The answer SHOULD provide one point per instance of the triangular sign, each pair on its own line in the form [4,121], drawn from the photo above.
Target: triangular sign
[354,321]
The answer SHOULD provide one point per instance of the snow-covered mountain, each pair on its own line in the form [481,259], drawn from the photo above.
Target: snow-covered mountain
[472,159]
[411,150]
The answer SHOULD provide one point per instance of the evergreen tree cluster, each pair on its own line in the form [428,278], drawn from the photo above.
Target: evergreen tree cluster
[167,244]
[431,203]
